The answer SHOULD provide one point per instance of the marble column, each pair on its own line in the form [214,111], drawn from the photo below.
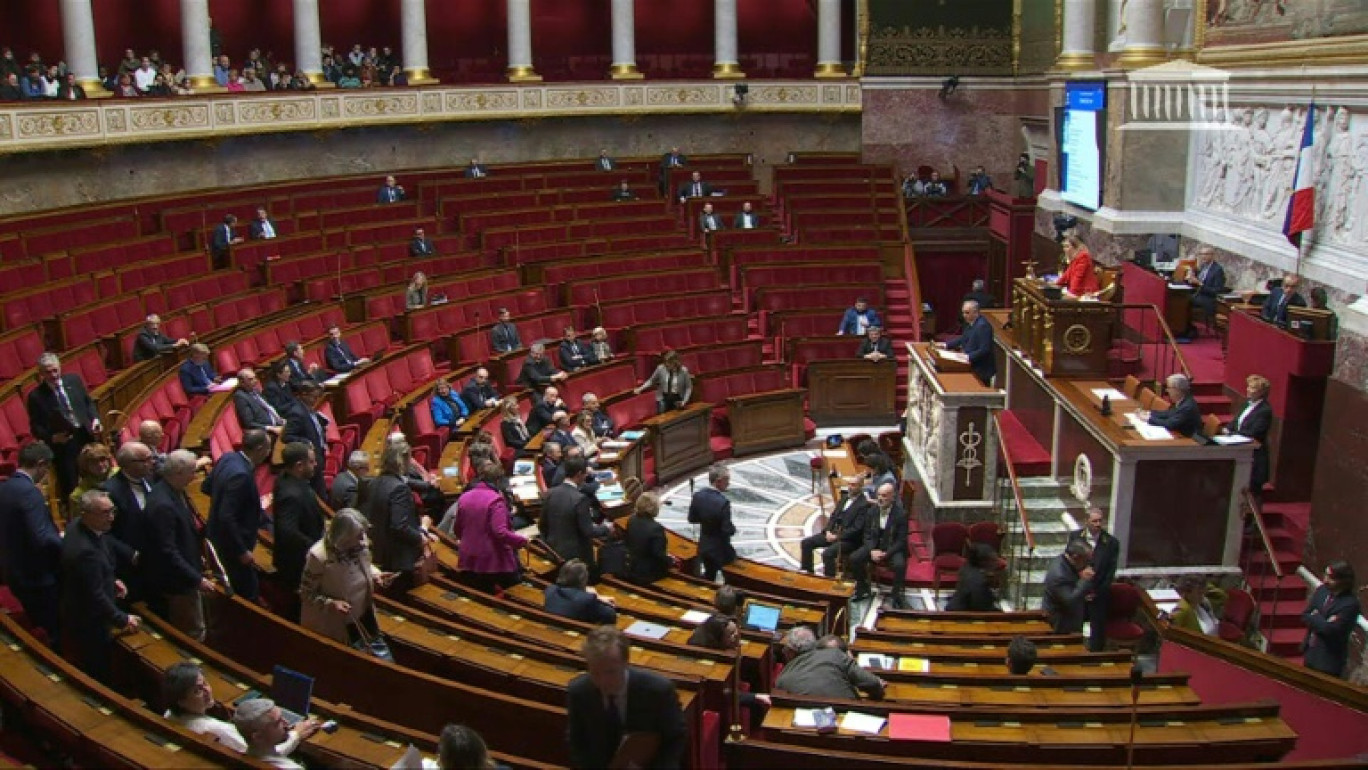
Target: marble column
[309,42]
[1080,25]
[1142,25]
[520,42]
[199,61]
[413,20]
[78,36]
[725,65]
[624,41]
[829,39]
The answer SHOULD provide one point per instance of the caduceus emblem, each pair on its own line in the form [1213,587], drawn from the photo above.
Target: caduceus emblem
[969,442]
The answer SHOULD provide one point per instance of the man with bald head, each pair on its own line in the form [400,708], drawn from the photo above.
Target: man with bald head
[976,342]
[128,489]
[885,545]
[1287,295]
[479,392]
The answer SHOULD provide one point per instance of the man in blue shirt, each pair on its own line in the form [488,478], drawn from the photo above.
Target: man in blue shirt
[858,319]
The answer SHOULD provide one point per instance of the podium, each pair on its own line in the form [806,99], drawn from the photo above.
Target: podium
[949,437]
[851,392]
[1064,337]
[681,441]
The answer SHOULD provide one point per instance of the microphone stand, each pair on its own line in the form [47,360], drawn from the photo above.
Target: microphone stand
[737,733]
[477,335]
[1136,676]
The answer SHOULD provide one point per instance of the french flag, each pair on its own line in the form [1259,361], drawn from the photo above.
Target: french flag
[1301,209]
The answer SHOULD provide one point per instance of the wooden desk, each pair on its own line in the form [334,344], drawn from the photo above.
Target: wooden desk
[766,421]
[1174,301]
[1003,626]
[1065,337]
[851,392]
[948,428]
[680,441]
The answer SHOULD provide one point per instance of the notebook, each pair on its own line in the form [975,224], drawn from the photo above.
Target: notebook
[919,727]
[292,692]
[647,630]
[762,617]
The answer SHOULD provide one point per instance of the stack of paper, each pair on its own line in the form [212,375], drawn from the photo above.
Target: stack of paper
[869,724]
[805,717]
[1148,432]
[1109,393]
[225,386]
[1232,440]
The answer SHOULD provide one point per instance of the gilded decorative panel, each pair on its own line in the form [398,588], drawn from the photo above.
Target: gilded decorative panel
[934,37]
[388,105]
[581,98]
[169,116]
[280,110]
[58,124]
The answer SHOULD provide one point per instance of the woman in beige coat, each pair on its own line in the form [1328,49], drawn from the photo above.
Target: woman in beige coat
[338,587]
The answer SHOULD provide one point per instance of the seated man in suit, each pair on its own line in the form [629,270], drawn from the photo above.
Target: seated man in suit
[544,408]
[550,463]
[694,188]
[603,424]
[885,545]
[574,354]
[746,218]
[835,538]
[604,162]
[976,342]
[152,343]
[479,392]
[1208,279]
[476,170]
[561,430]
[978,292]
[421,245]
[262,228]
[571,597]
[624,192]
[196,374]
[708,220]
[1183,417]
[223,240]
[300,371]
[537,371]
[391,192]
[823,672]
[504,336]
[614,701]
[338,355]
[1253,422]
[876,347]
[1288,294]
[253,410]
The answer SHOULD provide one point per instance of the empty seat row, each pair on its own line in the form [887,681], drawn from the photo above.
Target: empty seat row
[92,322]
[720,358]
[367,213]
[845,233]
[166,403]
[717,388]
[436,321]
[205,288]
[19,351]
[603,380]
[766,278]
[76,233]
[837,172]
[632,285]
[261,345]
[623,314]
[248,307]
[334,198]
[675,335]
[806,220]
[771,299]
[581,269]
[367,340]
[52,299]
[475,219]
[113,255]
[369,394]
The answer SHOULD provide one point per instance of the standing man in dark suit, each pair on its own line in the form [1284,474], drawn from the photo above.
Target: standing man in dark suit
[30,545]
[711,511]
[1067,585]
[421,245]
[1208,280]
[62,415]
[338,355]
[504,336]
[1253,422]
[391,192]
[1106,552]
[976,342]
[604,162]
[128,489]
[304,423]
[567,523]
[298,516]
[1275,307]
[152,343]
[573,354]
[235,512]
[476,170]
[615,701]
[90,590]
[885,544]
[1330,617]
[1184,417]
[262,228]
[174,559]
[253,410]
[672,159]
[479,392]
[223,240]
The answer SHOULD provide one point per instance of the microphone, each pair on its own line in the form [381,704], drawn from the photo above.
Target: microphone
[1137,676]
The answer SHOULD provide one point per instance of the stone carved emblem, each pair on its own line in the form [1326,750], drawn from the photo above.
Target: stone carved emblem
[969,442]
[1082,479]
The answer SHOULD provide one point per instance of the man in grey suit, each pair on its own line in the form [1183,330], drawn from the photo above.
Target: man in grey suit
[1067,585]
[614,701]
[253,411]
[1184,417]
[567,524]
[823,672]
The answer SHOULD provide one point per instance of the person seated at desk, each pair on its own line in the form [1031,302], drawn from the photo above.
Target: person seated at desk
[550,463]
[416,295]
[1275,307]
[265,730]
[196,374]
[694,188]
[859,318]
[1183,417]
[602,422]
[1208,279]
[448,409]
[544,408]
[1021,656]
[746,218]
[152,343]
[598,343]
[571,597]
[504,336]
[976,343]
[583,433]
[338,355]
[514,431]
[624,192]
[605,161]
[390,192]
[1196,611]
[823,672]
[478,392]
[1253,423]
[421,245]
[574,354]
[188,701]
[476,170]
[875,347]
[537,371]
[1079,279]
[560,430]
[708,220]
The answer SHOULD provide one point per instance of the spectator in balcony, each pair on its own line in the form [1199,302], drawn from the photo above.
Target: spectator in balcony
[515,432]
[235,84]
[859,318]
[250,81]
[476,170]
[94,466]
[572,597]
[913,187]
[694,188]
[479,392]
[11,91]
[504,336]
[152,343]
[604,162]
[648,559]
[1184,416]
[223,71]
[386,59]
[301,82]
[52,81]
[278,391]
[62,415]
[350,78]
[421,245]
[215,40]
[331,72]
[160,87]
[254,410]
[875,346]
[746,218]
[979,181]
[145,75]
[197,375]
[357,55]
[1330,617]
[8,64]
[624,192]
[672,382]
[130,62]
[537,371]
[598,342]
[708,220]
[280,77]
[574,354]
[32,84]
[480,520]
[978,292]
[544,408]
[390,192]
[301,371]
[934,187]
[976,342]
[448,409]
[262,228]
[255,63]
[349,486]
[416,295]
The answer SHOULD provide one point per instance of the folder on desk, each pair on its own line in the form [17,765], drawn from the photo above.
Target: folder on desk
[647,630]
[916,665]
[919,727]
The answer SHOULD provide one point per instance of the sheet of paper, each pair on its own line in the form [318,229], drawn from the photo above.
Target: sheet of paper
[805,717]
[694,617]
[615,444]
[1148,432]
[1111,393]
[412,760]
[225,386]
[869,724]
[607,457]
[1180,286]
[953,355]
[834,454]
[875,661]
[1232,440]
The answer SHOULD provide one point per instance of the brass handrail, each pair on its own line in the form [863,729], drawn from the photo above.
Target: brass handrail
[1257,515]
[913,285]
[1168,333]
[1016,486]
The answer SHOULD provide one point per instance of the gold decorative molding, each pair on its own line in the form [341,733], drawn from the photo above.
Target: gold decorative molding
[523,75]
[727,70]
[625,72]
[862,23]
[92,123]
[830,69]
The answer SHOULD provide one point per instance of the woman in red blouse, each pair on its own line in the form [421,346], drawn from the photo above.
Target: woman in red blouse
[1080,277]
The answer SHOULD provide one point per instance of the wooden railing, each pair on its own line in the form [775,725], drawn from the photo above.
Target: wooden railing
[1016,567]
[1256,515]
[1161,367]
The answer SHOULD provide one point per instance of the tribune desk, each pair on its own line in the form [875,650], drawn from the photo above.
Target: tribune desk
[1173,503]
[1068,337]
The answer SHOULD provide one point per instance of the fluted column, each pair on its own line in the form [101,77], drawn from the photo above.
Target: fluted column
[199,61]
[829,39]
[413,20]
[1142,25]
[1079,27]
[624,41]
[520,42]
[308,42]
[78,35]
[725,65]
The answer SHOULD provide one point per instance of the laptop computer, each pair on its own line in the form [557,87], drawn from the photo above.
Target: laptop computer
[762,617]
[292,692]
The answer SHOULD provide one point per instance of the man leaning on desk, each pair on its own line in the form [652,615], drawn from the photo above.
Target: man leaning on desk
[976,342]
[1183,417]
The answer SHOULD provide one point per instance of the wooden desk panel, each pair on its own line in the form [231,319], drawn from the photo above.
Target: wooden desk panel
[765,421]
[854,392]
[681,441]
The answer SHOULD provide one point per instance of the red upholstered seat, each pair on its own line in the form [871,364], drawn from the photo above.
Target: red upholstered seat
[988,533]
[1123,602]
[948,539]
[1236,615]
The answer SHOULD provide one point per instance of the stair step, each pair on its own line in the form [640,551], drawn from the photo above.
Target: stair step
[1285,641]
[1288,615]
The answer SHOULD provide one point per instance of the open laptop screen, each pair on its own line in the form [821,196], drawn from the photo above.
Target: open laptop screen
[762,617]
[291,691]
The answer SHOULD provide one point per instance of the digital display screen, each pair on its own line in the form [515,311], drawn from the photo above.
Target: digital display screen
[1082,126]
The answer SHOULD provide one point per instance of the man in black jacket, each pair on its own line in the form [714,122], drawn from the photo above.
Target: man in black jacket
[174,560]
[90,591]
[844,531]
[235,512]
[1106,551]
[479,392]
[304,423]
[253,410]
[62,415]
[885,544]
[571,597]
[1184,417]
[129,490]
[152,343]
[544,408]
[613,701]
[711,511]
[298,516]
[30,545]
[504,337]
[537,371]
[338,355]
[875,346]
[567,523]
[1067,585]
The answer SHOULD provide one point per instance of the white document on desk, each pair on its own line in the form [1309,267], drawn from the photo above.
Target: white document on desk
[1232,440]
[868,724]
[805,717]
[1181,286]
[1148,432]
[1110,393]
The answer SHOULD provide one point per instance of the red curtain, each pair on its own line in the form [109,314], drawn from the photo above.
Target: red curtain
[946,276]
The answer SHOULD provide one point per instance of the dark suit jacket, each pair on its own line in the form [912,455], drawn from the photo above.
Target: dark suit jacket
[257,231]
[1275,310]
[387,194]
[476,170]
[605,164]
[679,161]
[620,194]
[88,564]
[884,345]
[504,337]
[65,91]
[1184,417]
[827,673]
[45,410]
[603,424]
[892,537]
[1104,558]
[567,524]
[711,511]
[562,437]
[298,525]
[346,490]
[339,356]
[1065,600]
[1256,426]
[541,415]
[299,372]
[973,593]
[574,355]
[251,413]
[222,240]
[148,345]
[977,344]
[300,425]
[30,546]
[740,221]
[851,515]
[652,707]
[1214,283]
[235,512]
[648,559]
[705,226]
[547,469]
[578,604]
[196,380]
[983,298]
[1329,619]
[513,437]
[686,190]
[396,540]
[421,247]
[130,522]
[174,559]
[536,374]
[475,395]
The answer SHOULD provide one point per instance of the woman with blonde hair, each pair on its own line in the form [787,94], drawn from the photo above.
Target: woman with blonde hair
[1080,277]
[417,294]
[514,430]
[94,465]
[583,434]
[337,590]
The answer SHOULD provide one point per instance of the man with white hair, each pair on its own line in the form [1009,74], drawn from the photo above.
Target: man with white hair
[1183,417]
[174,561]
[346,487]
[537,370]
[62,415]
[152,343]
[261,725]
[602,423]
[823,672]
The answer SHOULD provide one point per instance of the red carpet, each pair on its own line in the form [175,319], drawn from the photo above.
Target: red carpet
[1028,456]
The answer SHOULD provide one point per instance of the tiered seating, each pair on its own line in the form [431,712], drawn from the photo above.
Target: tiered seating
[644,284]
[582,269]
[19,351]
[622,315]
[795,274]
[372,390]
[93,322]
[659,337]
[258,347]
[835,297]
[19,308]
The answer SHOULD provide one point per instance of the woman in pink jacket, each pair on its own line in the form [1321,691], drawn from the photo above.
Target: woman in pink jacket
[489,546]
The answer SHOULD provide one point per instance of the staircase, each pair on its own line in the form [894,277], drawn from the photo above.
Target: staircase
[901,326]
[1045,500]
[1280,599]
